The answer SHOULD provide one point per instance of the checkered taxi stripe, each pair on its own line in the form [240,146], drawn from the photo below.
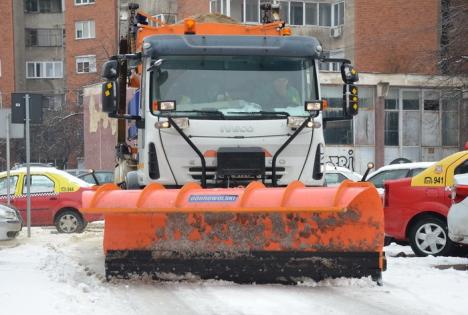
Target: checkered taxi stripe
[32,194]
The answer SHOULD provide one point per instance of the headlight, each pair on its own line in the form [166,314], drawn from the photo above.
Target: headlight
[296,122]
[182,123]
[8,214]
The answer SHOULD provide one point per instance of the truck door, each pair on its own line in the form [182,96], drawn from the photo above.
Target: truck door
[43,197]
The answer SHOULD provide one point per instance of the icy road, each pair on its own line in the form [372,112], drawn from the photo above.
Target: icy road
[54,273]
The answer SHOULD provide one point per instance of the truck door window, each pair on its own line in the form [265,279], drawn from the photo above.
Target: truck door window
[4,185]
[40,184]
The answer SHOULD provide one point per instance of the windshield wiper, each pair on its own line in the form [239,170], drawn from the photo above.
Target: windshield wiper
[201,112]
[262,112]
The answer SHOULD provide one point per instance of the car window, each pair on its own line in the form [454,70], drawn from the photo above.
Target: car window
[4,185]
[75,179]
[462,168]
[378,179]
[415,172]
[40,184]
[88,178]
[105,177]
[334,178]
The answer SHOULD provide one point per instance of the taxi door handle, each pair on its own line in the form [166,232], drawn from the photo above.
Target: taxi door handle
[53,198]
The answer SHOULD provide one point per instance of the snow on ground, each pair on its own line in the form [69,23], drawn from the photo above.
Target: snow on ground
[54,273]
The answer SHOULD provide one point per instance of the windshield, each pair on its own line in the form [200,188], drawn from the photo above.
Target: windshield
[235,85]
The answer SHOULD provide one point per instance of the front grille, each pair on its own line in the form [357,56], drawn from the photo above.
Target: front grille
[195,173]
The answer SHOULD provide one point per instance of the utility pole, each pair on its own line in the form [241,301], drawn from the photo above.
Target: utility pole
[28,168]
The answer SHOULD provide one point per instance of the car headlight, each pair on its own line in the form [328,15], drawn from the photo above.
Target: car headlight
[8,214]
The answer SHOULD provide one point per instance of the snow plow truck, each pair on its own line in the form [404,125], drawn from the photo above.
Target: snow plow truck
[223,176]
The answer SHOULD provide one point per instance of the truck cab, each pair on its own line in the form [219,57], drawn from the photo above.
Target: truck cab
[225,110]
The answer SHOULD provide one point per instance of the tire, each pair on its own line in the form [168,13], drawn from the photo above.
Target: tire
[429,236]
[69,221]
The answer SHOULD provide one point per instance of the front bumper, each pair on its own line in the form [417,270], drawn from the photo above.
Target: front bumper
[457,221]
[9,229]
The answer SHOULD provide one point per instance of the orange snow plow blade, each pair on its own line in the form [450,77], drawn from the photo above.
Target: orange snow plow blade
[253,234]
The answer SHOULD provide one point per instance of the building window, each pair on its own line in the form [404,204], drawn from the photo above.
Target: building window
[341,131]
[44,69]
[284,11]
[338,14]
[297,13]
[416,119]
[43,6]
[325,14]
[85,29]
[311,13]
[252,11]
[292,12]
[219,6]
[450,118]
[53,102]
[43,37]
[85,64]
[391,118]
[81,2]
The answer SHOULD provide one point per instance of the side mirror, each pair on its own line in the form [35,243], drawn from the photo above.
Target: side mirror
[109,97]
[109,70]
[348,73]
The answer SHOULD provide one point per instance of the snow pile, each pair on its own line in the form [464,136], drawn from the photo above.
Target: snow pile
[64,274]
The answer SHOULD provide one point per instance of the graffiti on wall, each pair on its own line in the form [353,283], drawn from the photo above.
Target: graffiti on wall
[340,157]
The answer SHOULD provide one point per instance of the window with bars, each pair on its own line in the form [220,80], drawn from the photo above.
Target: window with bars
[292,12]
[86,64]
[416,117]
[43,6]
[44,69]
[85,29]
[44,37]
[82,2]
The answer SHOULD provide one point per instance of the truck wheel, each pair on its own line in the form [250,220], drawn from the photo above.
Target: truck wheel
[69,221]
[429,236]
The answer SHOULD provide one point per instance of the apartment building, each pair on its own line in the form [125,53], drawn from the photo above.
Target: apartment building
[407,108]
[54,48]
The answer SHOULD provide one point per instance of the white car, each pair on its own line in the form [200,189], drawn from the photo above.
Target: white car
[396,171]
[334,175]
[457,218]
[10,222]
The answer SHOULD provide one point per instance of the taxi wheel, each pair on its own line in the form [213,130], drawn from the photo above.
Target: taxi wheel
[429,236]
[69,221]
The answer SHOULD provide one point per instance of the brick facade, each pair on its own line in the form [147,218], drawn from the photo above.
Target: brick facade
[104,45]
[7,59]
[397,36]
